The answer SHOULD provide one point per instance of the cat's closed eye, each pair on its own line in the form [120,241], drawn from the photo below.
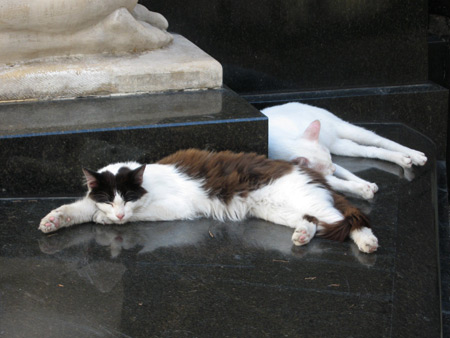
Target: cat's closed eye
[130,196]
[102,198]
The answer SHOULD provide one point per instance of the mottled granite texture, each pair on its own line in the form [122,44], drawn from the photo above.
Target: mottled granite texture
[440,7]
[444,245]
[274,45]
[439,60]
[45,144]
[423,107]
[209,279]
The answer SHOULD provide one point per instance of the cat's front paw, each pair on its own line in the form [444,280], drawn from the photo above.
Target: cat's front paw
[373,187]
[366,190]
[405,161]
[100,218]
[53,221]
[301,236]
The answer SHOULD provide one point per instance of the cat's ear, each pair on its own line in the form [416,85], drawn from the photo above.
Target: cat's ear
[301,161]
[91,179]
[312,132]
[138,174]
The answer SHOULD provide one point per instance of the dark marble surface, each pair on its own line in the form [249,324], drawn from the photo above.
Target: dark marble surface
[210,279]
[440,7]
[422,107]
[444,245]
[45,144]
[267,46]
[439,60]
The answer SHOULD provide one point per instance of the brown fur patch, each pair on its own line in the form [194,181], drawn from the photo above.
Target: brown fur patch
[353,219]
[311,219]
[227,174]
[316,178]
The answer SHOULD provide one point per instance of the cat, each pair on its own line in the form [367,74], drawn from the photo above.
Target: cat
[224,185]
[308,135]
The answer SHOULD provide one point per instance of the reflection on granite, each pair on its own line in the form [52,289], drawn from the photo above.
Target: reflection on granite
[45,144]
[110,113]
[205,278]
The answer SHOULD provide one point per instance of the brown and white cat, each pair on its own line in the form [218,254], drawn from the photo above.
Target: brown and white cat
[223,185]
[309,135]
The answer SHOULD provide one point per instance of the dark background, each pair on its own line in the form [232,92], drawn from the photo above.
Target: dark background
[267,46]
[366,61]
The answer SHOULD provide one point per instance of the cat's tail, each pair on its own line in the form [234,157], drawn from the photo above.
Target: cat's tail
[354,219]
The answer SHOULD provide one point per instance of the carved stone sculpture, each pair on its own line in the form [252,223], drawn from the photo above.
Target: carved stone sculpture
[52,49]
[31,29]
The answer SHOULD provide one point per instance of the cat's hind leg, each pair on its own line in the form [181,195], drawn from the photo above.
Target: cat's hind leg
[304,232]
[364,239]
[367,137]
[68,214]
[290,217]
[346,147]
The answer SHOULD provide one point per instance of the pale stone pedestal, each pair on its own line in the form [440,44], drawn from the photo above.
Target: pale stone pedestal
[179,66]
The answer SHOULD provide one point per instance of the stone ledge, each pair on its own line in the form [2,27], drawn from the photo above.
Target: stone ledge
[179,66]
[42,140]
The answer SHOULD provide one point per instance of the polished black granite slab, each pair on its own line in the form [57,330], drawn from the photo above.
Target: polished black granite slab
[45,144]
[440,7]
[235,279]
[444,245]
[423,107]
[275,45]
[439,60]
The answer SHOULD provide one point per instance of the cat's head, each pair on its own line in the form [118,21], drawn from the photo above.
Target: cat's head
[117,196]
[312,154]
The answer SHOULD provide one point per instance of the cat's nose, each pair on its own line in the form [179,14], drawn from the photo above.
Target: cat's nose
[120,216]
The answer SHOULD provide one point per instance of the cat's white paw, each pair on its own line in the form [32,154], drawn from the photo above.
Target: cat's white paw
[53,221]
[301,236]
[418,158]
[405,161]
[101,218]
[373,187]
[369,245]
[366,190]
[365,240]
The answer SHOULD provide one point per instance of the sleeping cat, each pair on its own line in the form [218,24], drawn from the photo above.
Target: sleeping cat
[306,135]
[223,185]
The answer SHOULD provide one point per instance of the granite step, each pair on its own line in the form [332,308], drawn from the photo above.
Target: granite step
[206,278]
[45,144]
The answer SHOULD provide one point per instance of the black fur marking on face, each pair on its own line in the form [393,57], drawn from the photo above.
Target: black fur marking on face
[129,183]
[102,185]
[105,185]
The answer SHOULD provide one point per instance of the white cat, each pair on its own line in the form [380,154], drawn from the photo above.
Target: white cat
[224,185]
[307,135]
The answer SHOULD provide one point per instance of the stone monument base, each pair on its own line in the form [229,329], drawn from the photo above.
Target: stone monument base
[179,66]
